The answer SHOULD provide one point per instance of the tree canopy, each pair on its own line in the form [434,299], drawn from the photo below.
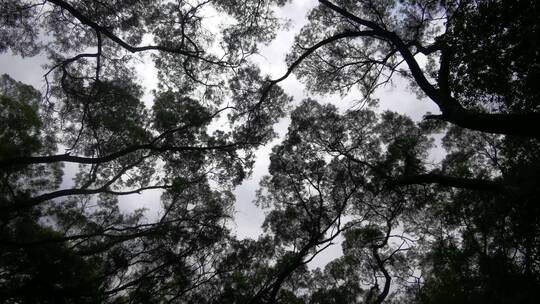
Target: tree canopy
[463,229]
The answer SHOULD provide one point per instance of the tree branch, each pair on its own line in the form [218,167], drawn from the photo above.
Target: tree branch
[448,181]
[511,124]
[67,157]
[133,49]
[309,51]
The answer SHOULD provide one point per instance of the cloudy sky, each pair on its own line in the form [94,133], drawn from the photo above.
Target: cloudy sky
[248,218]
[396,97]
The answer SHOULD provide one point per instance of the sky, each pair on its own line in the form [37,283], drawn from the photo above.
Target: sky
[248,217]
[396,97]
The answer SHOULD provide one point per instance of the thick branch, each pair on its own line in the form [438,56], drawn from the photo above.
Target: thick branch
[453,112]
[152,145]
[430,49]
[526,124]
[107,158]
[431,178]
[270,291]
[448,181]
[387,277]
[346,14]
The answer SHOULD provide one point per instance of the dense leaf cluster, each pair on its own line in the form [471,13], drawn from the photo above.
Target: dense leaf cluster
[413,229]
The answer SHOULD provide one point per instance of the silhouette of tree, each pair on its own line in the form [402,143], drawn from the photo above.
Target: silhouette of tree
[92,107]
[479,71]
[473,49]
[465,229]
[414,231]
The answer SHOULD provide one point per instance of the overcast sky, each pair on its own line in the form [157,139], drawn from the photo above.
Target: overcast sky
[248,218]
[396,97]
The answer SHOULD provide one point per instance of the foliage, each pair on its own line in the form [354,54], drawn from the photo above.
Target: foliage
[463,229]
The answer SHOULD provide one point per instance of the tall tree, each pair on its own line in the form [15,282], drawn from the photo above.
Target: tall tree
[464,229]
[481,62]
[414,231]
[92,107]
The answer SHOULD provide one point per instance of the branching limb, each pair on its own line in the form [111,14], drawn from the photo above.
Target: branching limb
[448,181]
[133,49]
[452,111]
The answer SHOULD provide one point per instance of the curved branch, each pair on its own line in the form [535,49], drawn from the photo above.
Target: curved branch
[414,67]
[133,49]
[527,124]
[66,192]
[309,51]
[346,14]
[387,277]
[269,292]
